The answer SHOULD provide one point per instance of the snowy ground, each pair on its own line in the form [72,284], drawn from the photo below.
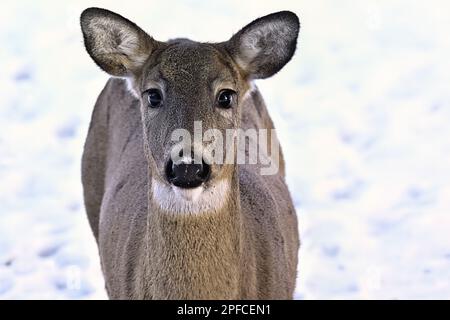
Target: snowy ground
[362,113]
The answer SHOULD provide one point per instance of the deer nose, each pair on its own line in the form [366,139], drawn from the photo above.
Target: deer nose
[187,174]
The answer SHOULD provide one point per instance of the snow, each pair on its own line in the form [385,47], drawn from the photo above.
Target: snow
[362,112]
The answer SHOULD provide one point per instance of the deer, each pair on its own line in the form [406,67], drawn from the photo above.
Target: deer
[186,229]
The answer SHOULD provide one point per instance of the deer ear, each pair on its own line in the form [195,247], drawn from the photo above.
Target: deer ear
[116,44]
[264,46]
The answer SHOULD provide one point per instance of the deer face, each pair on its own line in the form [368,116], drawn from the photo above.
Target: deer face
[191,88]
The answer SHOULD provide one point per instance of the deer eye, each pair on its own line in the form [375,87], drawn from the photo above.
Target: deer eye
[225,98]
[154,98]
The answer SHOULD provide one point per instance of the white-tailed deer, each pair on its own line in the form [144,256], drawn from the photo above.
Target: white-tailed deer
[186,229]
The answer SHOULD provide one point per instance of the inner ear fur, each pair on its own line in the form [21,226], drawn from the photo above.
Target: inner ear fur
[116,44]
[265,45]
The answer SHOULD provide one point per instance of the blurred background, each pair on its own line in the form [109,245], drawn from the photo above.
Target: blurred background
[362,112]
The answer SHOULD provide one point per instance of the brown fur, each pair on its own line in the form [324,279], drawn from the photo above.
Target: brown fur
[248,248]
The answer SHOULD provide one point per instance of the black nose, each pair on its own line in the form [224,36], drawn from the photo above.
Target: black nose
[187,175]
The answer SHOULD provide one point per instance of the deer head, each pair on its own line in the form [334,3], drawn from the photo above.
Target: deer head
[179,82]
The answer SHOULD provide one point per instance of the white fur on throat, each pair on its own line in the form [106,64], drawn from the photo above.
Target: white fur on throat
[193,201]
[188,194]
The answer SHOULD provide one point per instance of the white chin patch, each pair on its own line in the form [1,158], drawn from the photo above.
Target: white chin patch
[188,194]
[190,201]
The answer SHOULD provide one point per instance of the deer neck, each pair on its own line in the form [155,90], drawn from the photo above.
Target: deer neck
[194,255]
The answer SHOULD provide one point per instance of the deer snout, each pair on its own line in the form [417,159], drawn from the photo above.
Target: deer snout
[187,174]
